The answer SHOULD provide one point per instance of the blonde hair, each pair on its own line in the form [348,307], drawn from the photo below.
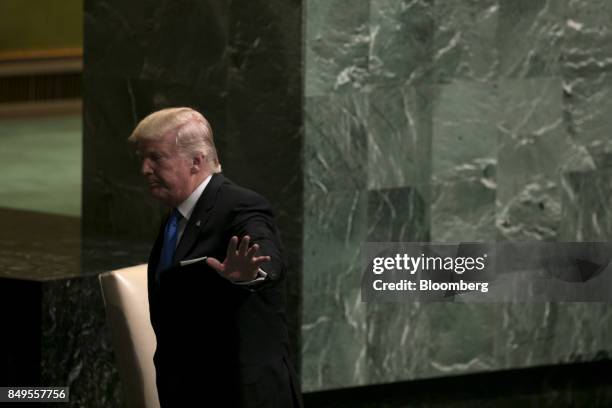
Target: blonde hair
[192,131]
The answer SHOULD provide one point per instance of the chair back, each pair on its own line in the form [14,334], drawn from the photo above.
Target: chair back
[127,312]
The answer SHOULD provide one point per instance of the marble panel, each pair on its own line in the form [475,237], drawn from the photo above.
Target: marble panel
[333,325]
[169,41]
[463,204]
[465,40]
[428,340]
[264,102]
[586,206]
[399,136]
[464,161]
[465,116]
[587,77]
[76,349]
[57,336]
[398,215]
[529,37]
[261,148]
[587,103]
[337,40]
[335,142]
[395,215]
[586,44]
[401,41]
[114,31]
[424,340]
[552,333]
[535,148]
[186,42]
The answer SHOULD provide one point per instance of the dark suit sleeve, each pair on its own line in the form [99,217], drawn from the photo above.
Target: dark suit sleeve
[253,216]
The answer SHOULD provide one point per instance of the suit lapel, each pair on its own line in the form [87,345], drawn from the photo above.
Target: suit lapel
[199,217]
[154,261]
[157,246]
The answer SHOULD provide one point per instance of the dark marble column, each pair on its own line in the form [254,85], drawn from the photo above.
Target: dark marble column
[140,57]
[262,144]
[239,63]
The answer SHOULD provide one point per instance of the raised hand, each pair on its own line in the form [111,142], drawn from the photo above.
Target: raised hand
[241,263]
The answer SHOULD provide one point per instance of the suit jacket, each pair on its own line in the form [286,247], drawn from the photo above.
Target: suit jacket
[218,341]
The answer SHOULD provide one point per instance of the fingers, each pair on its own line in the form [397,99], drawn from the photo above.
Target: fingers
[258,260]
[252,251]
[244,245]
[231,248]
[215,264]
[240,256]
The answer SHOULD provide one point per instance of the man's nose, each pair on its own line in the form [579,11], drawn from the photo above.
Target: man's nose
[145,167]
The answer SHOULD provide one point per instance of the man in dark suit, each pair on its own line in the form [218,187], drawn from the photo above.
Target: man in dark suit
[216,275]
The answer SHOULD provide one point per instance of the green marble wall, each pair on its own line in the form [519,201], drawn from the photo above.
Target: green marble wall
[450,121]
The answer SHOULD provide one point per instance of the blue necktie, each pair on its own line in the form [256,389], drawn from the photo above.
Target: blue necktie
[169,247]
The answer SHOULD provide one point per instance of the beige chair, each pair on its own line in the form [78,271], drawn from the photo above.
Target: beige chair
[127,311]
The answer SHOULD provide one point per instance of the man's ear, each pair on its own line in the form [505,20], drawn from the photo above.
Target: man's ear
[196,163]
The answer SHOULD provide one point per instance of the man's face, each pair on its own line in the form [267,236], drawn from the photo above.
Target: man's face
[167,173]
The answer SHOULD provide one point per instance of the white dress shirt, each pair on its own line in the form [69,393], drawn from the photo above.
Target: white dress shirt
[187,206]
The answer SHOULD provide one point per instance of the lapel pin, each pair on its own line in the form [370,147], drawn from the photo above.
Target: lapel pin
[198,223]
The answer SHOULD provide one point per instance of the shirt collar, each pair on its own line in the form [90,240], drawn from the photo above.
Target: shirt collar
[187,206]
